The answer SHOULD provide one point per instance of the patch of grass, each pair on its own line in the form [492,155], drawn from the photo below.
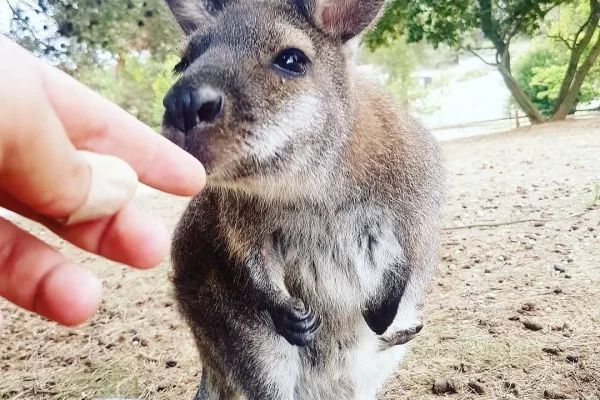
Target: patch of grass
[596,194]
[103,381]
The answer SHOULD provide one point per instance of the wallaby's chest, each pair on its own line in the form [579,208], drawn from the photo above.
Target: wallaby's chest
[337,259]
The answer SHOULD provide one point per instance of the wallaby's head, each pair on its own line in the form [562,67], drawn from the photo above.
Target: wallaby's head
[265,89]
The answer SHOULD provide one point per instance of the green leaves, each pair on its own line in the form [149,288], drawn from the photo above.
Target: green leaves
[138,86]
[83,31]
[451,22]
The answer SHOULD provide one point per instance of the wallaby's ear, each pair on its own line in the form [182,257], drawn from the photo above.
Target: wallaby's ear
[343,19]
[191,14]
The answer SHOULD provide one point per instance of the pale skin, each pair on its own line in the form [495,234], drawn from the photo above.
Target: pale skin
[45,116]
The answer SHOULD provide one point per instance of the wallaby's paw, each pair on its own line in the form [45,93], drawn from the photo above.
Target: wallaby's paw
[296,323]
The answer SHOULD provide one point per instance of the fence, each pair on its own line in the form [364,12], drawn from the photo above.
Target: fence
[485,127]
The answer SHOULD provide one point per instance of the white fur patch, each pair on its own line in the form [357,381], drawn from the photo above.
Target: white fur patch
[293,119]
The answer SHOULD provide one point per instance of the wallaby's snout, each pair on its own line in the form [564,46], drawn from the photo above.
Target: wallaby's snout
[188,106]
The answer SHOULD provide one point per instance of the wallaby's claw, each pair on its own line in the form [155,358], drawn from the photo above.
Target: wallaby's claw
[297,323]
[401,337]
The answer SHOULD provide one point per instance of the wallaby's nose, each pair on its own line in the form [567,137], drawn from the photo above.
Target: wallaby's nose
[188,106]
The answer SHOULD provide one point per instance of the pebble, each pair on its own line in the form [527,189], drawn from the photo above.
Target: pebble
[551,350]
[171,363]
[559,268]
[533,325]
[528,307]
[441,387]
[476,387]
[573,359]
[552,394]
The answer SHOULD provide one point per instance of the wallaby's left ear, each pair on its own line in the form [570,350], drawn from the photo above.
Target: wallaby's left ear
[343,19]
[191,14]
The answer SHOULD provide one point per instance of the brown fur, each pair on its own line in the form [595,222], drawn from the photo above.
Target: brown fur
[301,266]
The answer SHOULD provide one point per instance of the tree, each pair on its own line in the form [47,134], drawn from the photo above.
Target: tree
[452,22]
[541,73]
[578,30]
[84,32]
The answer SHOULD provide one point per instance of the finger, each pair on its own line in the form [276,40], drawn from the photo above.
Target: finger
[93,123]
[38,163]
[130,237]
[37,278]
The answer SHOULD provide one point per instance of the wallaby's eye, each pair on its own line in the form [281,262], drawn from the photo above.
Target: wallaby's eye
[292,61]
[181,66]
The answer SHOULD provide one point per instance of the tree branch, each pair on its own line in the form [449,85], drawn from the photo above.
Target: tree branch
[582,28]
[562,39]
[481,58]
[519,221]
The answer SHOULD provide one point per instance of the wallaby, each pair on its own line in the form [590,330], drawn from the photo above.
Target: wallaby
[301,266]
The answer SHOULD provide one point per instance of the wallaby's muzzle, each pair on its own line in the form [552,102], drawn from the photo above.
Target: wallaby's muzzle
[188,107]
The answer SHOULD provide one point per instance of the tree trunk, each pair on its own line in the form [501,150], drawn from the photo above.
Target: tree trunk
[491,29]
[563,108]
[521,97]
[577,50]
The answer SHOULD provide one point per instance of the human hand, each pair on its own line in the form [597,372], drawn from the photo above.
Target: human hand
[45,117]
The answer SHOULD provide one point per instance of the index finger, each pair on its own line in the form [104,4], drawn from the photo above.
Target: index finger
[96,124]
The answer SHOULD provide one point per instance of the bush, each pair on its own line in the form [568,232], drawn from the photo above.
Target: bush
[541,71]
[539,58]
[138,85]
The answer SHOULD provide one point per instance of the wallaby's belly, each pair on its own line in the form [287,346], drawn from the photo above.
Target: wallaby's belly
[355,372]
[335,266]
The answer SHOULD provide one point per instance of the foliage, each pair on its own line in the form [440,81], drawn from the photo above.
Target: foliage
[139,86]
[398,60]
[571,17]
[452,22]
[551,78]
[80,32]
[538,59]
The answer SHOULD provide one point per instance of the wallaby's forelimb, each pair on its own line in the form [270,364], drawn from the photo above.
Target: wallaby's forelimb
[382,308]
[293,320]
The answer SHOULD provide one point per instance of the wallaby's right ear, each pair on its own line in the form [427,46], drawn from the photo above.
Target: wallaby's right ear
[191,14]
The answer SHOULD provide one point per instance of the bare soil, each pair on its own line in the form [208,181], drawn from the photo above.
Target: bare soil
[514,312]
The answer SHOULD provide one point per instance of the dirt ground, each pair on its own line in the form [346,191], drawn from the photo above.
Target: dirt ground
[514,311]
